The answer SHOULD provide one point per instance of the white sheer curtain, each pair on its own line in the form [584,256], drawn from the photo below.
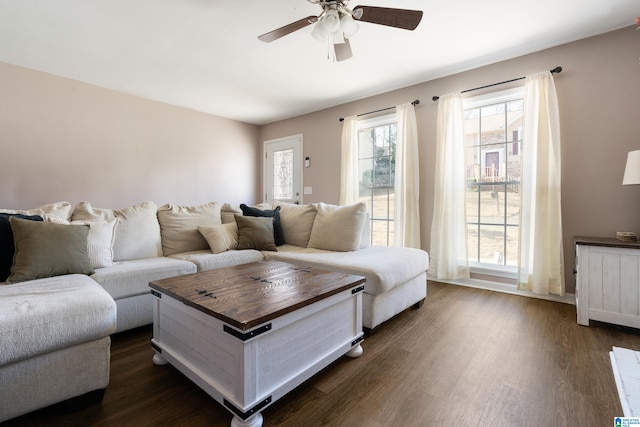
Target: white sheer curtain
[540,268]
[349,182]
[407,179]
[448,252]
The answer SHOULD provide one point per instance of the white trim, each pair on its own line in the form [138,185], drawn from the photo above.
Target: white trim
[298,159]
[505,288]
[493,98]
[377,121]
[497,270]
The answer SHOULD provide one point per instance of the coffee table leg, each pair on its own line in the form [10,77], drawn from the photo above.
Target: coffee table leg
[355,351]
[253,421]
[159,360]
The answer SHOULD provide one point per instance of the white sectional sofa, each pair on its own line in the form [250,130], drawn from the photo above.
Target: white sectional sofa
[124,249]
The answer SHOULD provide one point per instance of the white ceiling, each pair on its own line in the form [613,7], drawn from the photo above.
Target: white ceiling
[205,55]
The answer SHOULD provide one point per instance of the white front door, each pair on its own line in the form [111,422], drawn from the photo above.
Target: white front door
[283,169]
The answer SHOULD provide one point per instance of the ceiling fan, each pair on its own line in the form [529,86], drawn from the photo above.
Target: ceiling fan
[336,24]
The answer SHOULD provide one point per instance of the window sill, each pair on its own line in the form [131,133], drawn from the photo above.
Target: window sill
[503,272]
[504,288]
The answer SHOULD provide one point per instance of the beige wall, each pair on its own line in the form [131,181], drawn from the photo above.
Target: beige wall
[65,140]
[599,96]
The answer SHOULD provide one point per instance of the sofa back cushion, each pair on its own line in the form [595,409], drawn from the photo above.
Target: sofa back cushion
[296,222]
[338,228]
[137,234]
[179,226]
[228,212]
[57,210]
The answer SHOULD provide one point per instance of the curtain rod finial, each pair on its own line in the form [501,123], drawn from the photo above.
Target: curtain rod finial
[435,98]
[557,70]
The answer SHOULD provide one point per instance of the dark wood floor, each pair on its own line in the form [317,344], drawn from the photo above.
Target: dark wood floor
[468,357]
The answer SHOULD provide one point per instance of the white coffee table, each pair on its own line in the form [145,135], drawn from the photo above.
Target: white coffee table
[249,334]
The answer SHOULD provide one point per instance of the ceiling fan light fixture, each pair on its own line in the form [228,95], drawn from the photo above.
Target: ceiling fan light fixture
[319,33]
[348,25]
[330,21]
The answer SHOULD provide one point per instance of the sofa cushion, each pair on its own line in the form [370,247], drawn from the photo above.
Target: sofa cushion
[269,213]
[45,315]
[44,249]
[384,266]
[100,241]
[220,237]
[228,213]
[7,247]
[338,228]
[138,232]
[130,278]
[58,209]
[179,226]
[205,260]
[255,232]
[297,222]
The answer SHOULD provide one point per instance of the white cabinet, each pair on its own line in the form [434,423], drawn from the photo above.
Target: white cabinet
[607,281]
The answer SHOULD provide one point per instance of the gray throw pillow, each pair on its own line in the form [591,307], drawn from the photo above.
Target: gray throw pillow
[45,249]
[255,232]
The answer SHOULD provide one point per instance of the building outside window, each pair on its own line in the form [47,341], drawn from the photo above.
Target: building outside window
[493,131]
[376,169]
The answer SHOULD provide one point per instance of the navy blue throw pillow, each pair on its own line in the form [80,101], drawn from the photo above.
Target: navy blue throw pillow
[7,247]
[278,236]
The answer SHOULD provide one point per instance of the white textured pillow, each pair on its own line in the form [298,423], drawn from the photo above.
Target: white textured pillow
[138,231]
[297,222]
[179,226]
[100,241]
[338,228]
[220,237]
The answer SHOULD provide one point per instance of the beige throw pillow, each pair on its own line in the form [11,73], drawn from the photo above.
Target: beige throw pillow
[138,232]
[338,228]
[45,249]
[179,226]
[220,237]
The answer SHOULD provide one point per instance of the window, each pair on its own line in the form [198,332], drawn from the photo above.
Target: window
[493,130]
[376,169]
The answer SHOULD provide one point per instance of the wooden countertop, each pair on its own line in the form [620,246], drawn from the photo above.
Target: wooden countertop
[605,241]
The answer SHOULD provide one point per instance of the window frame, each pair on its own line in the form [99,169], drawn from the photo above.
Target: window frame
[483,100]
[381,120]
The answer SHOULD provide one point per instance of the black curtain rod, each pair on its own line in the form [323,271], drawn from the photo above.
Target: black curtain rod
[414,103]
[555,71]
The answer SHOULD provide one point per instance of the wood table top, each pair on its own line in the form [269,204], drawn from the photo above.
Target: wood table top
[248,295]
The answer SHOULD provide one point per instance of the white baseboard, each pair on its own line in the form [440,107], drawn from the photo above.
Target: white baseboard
[505,288]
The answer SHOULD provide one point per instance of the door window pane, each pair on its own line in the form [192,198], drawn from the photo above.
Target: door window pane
[283,174]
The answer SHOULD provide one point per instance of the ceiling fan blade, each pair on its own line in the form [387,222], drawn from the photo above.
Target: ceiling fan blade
[287,29]
[399,18]
[343,50]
